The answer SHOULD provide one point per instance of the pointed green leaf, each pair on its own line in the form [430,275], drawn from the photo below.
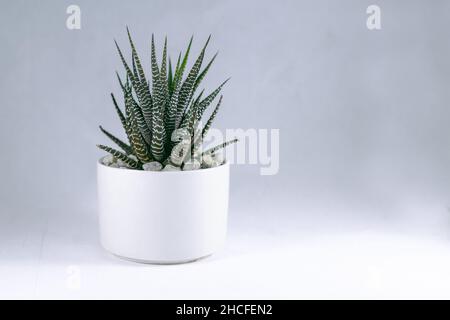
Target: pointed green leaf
[190,113]
[171,113]
[142,92]
[177,67]
[125,64]
[170,78]
[155,68]
[125,147]
[158,130]
[121,117]
[140,70]
[202,74]
[119,112]
[142,124]
[211,118]
[186,92]
[135,72]
[137,141]
[120,81]
[163,78]
[120,155]
[220,146]
[207,101]
[181,67]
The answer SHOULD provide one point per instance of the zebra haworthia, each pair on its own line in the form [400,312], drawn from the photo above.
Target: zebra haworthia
[119,155]
[125,147]
[161,114]
[159,132]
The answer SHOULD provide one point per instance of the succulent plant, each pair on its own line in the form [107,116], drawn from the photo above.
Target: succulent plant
[162,117]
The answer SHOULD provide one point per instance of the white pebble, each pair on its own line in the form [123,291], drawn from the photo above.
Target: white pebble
[191,165]
[180,134]
[107,160]
[179,152]
[170,167]
[152,166]
[215,163]
[218,158]
[122,164]
[207,161]
[133,157]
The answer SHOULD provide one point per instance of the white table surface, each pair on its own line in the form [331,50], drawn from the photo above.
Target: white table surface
[59,256]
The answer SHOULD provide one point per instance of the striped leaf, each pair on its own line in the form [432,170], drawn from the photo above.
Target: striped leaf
[178,63]
[175,87]
[120,81]
[158,138]
[119,112]
[192,120]
[190,113]
[207,101]
[147,108]
[186,91]
[176,77]
[121,115]
[218,147]
[146,104]
[171,113]
[163,77]
[120,155]
[133,64]
[136,59]
[137,141]
[170,78]
[179,71]
[155,69]
[125,147]
[172,82]
[211,118]
[202,74]
[142,124]
[158,130]
[142,91]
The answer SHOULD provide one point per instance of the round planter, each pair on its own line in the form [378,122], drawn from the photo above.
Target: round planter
[162,217]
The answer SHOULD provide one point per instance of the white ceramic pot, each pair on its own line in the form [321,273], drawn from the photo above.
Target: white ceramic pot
[162,217]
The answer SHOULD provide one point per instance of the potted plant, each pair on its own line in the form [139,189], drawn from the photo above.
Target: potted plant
[161,198]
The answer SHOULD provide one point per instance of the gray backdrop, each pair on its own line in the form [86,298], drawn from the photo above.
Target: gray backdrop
[363,115]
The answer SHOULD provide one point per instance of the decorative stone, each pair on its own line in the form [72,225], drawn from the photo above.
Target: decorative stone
[216,164]
[133,157]
[192,165]
[108,160]
[180,134]
[152,166]
[170,167]
[207,161]
[178,152]
[218,158]
[122,164]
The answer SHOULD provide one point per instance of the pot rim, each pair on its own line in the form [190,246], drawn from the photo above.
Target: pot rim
[100,163]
